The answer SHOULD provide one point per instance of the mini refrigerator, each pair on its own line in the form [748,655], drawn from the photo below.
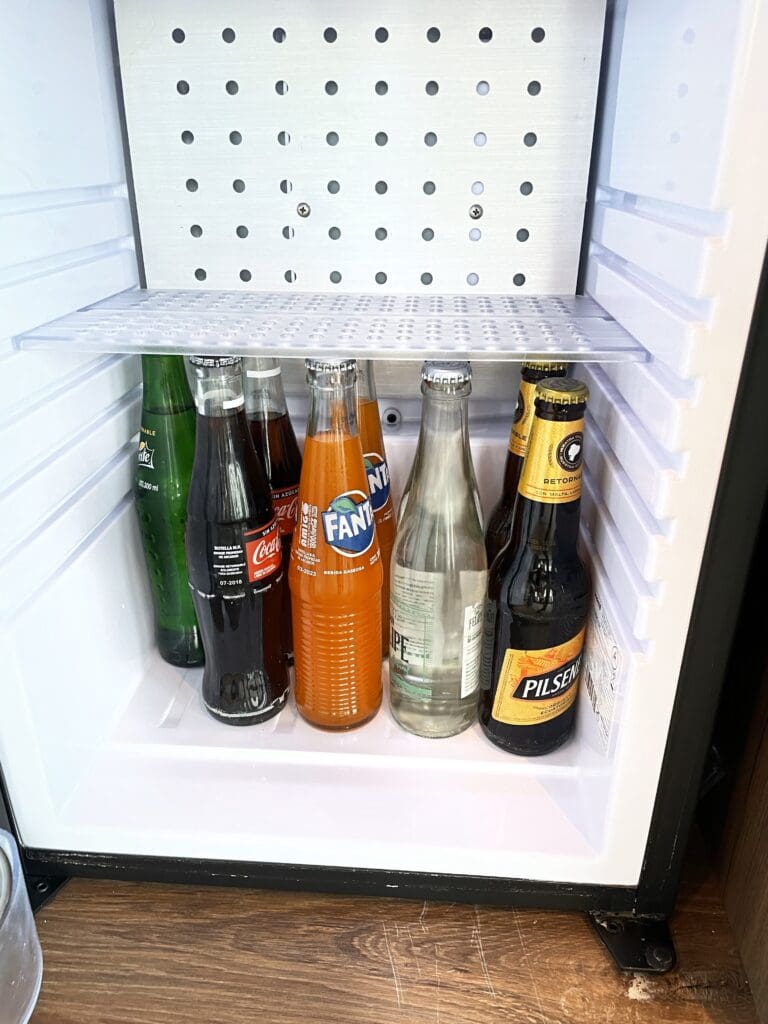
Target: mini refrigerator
[487,180]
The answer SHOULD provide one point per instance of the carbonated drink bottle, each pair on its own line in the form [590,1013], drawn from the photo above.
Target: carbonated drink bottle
[439,568]
[161,485]
[538,587]
[234,554]
[499,527]
[335,574]
[275,443]
[377,468]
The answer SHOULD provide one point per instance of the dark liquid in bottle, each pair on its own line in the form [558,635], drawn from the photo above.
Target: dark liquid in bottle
[275,443]
[237,575]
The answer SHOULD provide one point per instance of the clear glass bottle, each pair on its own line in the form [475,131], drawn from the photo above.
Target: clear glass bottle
[439,568]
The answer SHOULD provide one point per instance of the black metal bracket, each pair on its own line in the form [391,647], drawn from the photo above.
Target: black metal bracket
[42,888]
[636,943]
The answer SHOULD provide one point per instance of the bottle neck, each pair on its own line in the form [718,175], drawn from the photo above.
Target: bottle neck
[333,409]
[166,388]
[263,384]
[219,391]
[549,491]
[443,454]
[366,381]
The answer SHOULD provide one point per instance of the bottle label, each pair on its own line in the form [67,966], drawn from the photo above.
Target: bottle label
[263,551]
[285,501]
[419,638]
[537,686]
[523,418]
[146,479]
[552,469]
[348,524]
[377,471]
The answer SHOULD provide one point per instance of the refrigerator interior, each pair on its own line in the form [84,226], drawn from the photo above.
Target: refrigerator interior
[106,748]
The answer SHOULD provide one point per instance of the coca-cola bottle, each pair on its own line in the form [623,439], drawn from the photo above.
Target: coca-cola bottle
[275,443]
[234,554]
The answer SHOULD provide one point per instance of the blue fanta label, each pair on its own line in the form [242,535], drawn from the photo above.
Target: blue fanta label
[378,479]
[348,524]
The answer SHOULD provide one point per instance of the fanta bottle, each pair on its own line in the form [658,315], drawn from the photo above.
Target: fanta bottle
[335,573]
[378,480]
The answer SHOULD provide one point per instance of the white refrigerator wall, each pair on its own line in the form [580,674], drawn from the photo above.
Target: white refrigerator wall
[105,748]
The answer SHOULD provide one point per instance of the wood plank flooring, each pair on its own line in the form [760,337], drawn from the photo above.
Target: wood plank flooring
[128,953]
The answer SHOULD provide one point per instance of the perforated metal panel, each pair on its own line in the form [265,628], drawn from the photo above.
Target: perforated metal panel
[336,146]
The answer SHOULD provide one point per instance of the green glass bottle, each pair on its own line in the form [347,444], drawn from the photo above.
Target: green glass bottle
[163,469]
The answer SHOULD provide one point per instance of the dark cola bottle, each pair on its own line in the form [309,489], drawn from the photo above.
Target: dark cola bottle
[234,554]
[275,443]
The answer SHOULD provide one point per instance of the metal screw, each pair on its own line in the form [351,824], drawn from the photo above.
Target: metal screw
[42,886]
[303,209]
[476,212]
[660,957]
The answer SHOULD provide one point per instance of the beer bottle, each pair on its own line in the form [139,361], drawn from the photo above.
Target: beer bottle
[499,526]
[538,588]
[161,485]
[275,443]
[439,568]
[377,470]
[234,554]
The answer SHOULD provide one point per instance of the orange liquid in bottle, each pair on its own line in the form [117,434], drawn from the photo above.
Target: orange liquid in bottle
[381,499]
[336,578]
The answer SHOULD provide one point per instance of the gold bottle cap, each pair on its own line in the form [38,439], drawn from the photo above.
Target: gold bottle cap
[561,368]
[562,391]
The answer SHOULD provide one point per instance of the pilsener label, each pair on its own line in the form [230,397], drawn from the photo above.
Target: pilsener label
[552,470]
[537,686]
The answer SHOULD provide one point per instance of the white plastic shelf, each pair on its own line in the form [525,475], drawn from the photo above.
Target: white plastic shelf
[487,327]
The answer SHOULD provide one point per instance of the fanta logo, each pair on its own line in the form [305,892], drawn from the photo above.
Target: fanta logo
[348,524]
[378,479]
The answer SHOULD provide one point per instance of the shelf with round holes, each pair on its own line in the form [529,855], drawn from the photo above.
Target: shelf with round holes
[483,327]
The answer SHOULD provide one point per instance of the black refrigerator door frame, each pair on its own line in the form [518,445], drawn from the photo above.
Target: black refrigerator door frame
[730,542]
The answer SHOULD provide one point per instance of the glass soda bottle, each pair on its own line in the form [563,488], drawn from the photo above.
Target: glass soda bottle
[499,528]
[161,485]
[275,443]
[377,468]
[234,554]
[439,568]
[538,587]
[335,575]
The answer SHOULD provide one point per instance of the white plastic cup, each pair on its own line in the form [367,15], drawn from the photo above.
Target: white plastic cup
[21,959]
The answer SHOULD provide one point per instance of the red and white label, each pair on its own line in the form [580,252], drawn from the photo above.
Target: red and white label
[286,504]
[263,551]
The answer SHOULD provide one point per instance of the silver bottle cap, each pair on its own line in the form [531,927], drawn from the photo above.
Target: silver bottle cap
[446,373]
[215,361]
[331,373]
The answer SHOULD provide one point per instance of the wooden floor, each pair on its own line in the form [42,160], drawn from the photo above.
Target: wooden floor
[154,954]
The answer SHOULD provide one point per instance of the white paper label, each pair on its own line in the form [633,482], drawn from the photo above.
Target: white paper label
[416,600]
[603,659]
[471,647]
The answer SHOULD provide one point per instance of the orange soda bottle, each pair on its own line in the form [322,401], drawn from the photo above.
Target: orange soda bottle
[378,480]
[335,573]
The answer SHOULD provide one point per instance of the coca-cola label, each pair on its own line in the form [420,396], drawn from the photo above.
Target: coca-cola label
[263,551]
[377,472]
[285,501]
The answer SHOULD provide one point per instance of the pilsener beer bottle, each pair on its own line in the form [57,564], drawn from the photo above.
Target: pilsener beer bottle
[538,588]
[499,527]
[163,469]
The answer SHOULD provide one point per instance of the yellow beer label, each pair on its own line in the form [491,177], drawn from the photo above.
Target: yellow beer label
[552,469]
[537,686]
[523,418]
